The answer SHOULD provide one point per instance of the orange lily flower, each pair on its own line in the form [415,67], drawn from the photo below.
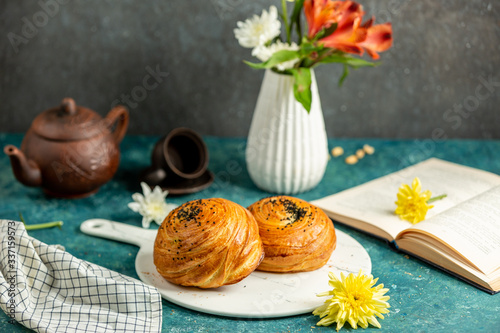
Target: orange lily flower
[321,14]
[378,39]
[349,32]
[350,36]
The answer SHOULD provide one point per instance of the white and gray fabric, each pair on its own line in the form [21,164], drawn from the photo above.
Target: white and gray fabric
[48,290]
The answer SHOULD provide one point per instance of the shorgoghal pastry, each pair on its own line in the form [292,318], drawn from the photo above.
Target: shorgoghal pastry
[208,243]
[297,236]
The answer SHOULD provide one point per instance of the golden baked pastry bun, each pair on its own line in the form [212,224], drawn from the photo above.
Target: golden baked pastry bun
[208,243]
[297,236]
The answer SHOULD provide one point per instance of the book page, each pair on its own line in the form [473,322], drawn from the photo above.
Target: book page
[471,228]
[373,202]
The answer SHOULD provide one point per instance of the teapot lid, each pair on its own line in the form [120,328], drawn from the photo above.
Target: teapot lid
[69,122]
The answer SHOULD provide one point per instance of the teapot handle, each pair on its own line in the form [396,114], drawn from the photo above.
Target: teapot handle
[118,113]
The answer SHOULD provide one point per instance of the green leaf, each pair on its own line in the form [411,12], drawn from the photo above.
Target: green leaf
[276,58]
[344,75]
[306,48]
[302,86]
[310,53]
[350,61]
[295,18]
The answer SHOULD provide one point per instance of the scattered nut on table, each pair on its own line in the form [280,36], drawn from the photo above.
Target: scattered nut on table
[360,153]
[368,149]
[337,151]
[351,159]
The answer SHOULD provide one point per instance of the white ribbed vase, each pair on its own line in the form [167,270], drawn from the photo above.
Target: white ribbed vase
[287,148]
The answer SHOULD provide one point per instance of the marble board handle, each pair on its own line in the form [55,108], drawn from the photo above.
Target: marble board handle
[118,231]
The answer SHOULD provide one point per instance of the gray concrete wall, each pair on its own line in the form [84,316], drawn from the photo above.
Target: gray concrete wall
[441,76]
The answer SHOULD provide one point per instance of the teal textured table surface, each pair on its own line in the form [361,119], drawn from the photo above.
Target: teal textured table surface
[423,298]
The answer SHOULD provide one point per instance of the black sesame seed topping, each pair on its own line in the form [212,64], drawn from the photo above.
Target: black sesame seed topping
[189,212]
[293,211]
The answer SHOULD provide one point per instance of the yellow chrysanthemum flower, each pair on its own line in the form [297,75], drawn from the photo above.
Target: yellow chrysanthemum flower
[354,300]
[413,204]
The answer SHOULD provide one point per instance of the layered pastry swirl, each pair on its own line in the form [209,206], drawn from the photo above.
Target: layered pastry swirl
[297,236]
[208,243]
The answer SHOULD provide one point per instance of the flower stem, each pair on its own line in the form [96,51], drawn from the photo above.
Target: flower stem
[299,30]
[44,225]
[40,225]
[285,20]
[439,197]
[320,57]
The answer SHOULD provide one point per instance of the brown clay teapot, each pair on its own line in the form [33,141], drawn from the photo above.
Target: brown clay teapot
[70,151]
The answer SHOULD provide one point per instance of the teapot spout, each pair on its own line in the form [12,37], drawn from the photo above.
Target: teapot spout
[26,171]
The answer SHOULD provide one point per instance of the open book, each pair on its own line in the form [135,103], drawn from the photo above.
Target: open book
[461,234]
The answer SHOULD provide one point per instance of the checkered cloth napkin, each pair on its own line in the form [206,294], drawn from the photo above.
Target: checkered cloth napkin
[48,290]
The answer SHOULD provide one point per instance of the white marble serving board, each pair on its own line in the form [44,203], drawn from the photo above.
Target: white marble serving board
[260,295]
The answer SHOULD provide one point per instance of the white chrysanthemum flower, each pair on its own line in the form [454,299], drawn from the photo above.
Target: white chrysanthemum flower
[263,53]
[258,30]
[151,205]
